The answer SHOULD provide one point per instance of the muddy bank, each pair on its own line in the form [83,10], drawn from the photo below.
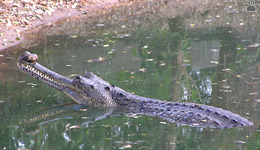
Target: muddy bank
[123,17]
[20,18]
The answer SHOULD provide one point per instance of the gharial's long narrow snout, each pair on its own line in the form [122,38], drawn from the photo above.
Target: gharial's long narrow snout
[27,63]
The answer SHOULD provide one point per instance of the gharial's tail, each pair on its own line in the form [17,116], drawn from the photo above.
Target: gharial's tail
[190,114]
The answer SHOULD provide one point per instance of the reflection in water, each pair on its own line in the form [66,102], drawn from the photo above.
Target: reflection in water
[171,58]
[204,54]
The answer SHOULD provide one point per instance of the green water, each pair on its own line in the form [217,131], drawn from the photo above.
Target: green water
[163,58]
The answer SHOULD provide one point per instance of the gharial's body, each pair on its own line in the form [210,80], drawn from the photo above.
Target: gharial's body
[92,90]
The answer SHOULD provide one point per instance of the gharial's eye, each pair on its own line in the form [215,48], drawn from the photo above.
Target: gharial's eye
[107,88]
[92,87]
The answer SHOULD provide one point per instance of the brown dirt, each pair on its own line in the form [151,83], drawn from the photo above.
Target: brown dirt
[19,17]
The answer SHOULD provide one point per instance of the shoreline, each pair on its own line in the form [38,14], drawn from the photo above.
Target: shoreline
[12,36]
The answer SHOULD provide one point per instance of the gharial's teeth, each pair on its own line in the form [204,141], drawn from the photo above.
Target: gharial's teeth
[41,76]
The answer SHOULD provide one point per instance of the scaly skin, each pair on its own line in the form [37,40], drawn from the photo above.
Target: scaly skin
[92,90]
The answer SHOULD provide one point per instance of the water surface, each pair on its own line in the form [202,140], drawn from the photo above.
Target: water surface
[183,58]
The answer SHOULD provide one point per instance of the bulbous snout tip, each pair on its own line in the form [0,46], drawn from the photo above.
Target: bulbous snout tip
[28,58]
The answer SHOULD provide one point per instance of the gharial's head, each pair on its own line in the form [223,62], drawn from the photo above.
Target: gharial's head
[88,89]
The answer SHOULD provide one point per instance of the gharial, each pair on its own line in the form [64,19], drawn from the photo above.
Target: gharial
[94,91]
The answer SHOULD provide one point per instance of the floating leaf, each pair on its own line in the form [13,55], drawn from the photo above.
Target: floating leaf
[214,50]
[186,61]
[111,52]
[107,139]
[74,127]
[226,87]
[227,69]
[257,100]
[227,91]
[240,142]
[74,36]
[251,94]
[21,81]
[149,60]
[195,124]
[125,146]
[192,25]
[83,110]
[100,25]
[162,64]
[17,38]
[214,62]
[142,69]
[106,45]
[149,52]
[90,61]
[145,47]
[100,59]
[126,123]
[144,134]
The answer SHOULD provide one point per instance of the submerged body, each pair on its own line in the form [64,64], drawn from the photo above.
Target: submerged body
[92,90]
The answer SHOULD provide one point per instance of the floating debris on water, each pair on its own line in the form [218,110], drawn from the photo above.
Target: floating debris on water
[83,109]
[192,25]
[74,36]
[162,64]
[214,50]
[100,59]
[227,69]
[106,45]
[39,101]
[142,70]
[125,146]
[214,62]
[127,123]
[254,93]
[257,100]
[226,87]
[145,47]
[149,60]
[100,25]
[32,84]
[239,142]
[21,81]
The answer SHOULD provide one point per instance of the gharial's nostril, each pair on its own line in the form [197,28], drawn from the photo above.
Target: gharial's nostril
[77,77]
